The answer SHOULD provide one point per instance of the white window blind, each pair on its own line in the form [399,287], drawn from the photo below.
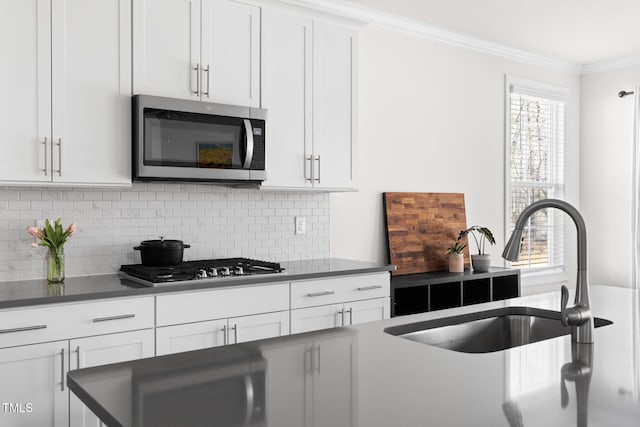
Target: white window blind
[535,170]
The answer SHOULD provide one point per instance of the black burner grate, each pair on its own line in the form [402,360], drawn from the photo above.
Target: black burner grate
[188,269]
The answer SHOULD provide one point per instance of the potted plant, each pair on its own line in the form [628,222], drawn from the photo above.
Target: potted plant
[456,257]
[480,261]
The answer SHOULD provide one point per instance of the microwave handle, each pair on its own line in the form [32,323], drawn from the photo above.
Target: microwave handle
[250,395]
[249,143]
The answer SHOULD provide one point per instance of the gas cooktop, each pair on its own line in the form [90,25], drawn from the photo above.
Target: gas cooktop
[189,271]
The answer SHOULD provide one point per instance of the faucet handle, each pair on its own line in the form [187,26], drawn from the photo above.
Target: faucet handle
[564,299]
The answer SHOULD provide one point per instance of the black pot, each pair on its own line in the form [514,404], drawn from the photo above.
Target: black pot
[161,253]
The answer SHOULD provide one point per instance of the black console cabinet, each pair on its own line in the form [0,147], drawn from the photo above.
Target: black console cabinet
[417,293]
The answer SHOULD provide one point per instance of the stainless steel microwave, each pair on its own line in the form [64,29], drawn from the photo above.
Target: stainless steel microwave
[183,140]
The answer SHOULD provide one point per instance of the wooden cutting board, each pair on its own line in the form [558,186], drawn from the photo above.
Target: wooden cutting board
[420,228]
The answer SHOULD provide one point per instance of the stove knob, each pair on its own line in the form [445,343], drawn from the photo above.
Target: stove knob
[212,272]
[225,271]
[239,271]
[201,274]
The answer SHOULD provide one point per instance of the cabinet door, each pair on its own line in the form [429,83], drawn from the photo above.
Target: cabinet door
[366,311]
[191,336]
[334,101]
[286,93]
[33,384]
[288,366]
[259,326]
[315,318]
[333,386]
[230,53]
[102,350]
[25,85]
[166,48]
[91,91]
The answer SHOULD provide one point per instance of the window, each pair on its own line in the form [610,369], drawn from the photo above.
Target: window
[535,169]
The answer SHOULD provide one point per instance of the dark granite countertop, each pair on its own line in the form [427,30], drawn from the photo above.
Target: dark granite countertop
[24,293]
[362,377]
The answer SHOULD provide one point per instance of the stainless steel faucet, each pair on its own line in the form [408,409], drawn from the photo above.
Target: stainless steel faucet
[578,316]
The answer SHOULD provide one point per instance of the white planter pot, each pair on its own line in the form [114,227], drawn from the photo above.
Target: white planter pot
[481,263]
[456,263]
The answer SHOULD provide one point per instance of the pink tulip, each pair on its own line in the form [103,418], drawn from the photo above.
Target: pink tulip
[34,231]
[72,228]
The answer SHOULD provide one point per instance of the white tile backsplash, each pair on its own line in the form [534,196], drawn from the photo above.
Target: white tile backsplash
[217,222]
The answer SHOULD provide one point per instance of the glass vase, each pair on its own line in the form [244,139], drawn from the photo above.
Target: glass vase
[55,265]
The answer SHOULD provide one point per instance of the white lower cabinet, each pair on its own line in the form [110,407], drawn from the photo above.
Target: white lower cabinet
[339,301]
[201,319]
[195,336]
[191,336]
[102,350]
[336,315]
[38,346]
[33,389]
[311,384]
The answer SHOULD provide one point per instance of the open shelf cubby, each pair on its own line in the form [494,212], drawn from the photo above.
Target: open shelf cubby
[418,293]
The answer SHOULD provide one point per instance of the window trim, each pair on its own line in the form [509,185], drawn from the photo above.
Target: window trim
[548,91]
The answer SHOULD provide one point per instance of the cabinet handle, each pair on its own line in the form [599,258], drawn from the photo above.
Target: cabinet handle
[350,311]
[318,348]
[308,367]
[368,288]
[78,357]
[59,144]
[224,335]
[318,160]
[197,70]
[62,369]
[341,313]
[46,157]
[321,294]
[26,328]
[206,70]
[235,334]
[310,170]
[106,319]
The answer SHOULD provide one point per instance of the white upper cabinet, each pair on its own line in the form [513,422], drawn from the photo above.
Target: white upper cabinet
[286,90]
[230,53]
[334,100]
[25,104]
[166,48]
[66,92]
[91,75]
[309,89]
[206,50]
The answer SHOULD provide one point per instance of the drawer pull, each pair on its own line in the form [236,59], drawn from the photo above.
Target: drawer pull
[368,288]
[321,294]
[26,328]
[105,319]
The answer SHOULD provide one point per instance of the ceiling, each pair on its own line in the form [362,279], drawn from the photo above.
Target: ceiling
[579,31]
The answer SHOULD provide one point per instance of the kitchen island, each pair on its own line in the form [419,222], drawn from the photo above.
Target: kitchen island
[361,376]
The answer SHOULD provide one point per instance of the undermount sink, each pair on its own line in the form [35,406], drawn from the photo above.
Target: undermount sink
[488,331]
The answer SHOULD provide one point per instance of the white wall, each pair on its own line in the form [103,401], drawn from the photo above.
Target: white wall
[606,136]
[432,120]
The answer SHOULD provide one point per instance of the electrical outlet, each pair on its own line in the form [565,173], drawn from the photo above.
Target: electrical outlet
[301,225]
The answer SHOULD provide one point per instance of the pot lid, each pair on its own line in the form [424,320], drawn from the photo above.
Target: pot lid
[162,243]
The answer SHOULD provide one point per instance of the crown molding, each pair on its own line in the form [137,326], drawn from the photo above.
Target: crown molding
[611,65]
[425,31]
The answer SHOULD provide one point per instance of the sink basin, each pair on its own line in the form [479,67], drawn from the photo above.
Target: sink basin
[488,331]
